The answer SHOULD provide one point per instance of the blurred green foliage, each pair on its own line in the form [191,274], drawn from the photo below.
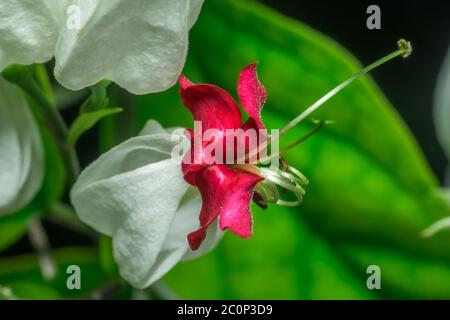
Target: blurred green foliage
[23,276]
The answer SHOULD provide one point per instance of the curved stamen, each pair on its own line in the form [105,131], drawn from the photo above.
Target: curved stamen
[291,181]
[267,190]
[295,189]
[294,178]
[300,175]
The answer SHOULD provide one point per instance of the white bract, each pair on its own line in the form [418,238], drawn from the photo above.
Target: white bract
[442,124]
[139,44]
[21,151]
[136,194]
[442,106]
[29,30]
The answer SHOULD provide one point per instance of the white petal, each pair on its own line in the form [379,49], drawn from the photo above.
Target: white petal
[134,157]
[176,244]
[152,127]
[21,156]
[136,194]
[442,106]
[153,195]
[186,221]
[139,44]
[29,30]
[194,11]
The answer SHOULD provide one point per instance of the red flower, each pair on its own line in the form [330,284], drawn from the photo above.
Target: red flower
[226,191]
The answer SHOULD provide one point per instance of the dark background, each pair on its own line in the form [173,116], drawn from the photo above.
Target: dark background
[425,23]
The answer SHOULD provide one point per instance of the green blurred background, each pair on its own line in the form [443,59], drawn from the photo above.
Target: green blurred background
[372,188]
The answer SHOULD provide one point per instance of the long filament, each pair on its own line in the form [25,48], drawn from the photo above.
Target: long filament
[404,50]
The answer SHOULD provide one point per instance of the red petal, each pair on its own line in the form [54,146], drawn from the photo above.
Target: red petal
[236,207]
[193,160]
[262,137]
[252,93]
[211,105]
[184,82]
[250,124]
[226,193]
[191,169]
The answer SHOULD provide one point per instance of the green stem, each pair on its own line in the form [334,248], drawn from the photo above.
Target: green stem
[305,137]
[63,214]
[295,143]
[57,126]
[160,291]
[39,241]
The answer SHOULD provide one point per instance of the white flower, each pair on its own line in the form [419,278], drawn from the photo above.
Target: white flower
[139,44]
[21,151]
[29,30]
[442,124]
[442,106]
[136,194]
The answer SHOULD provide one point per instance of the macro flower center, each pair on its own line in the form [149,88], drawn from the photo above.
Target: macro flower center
[247,150]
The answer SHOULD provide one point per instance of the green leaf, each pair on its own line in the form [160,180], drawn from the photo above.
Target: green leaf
[12,227]
[24,290]
[86,121]
[15,271]
[283,260]
[43,80]
[371,191]
[107,261]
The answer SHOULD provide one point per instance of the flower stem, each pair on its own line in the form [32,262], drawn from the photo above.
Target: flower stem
[64,215]
[23,76]
[39,241]
[57,126]
[316,129]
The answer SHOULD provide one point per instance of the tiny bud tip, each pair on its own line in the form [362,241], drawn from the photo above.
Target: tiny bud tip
[405,47]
